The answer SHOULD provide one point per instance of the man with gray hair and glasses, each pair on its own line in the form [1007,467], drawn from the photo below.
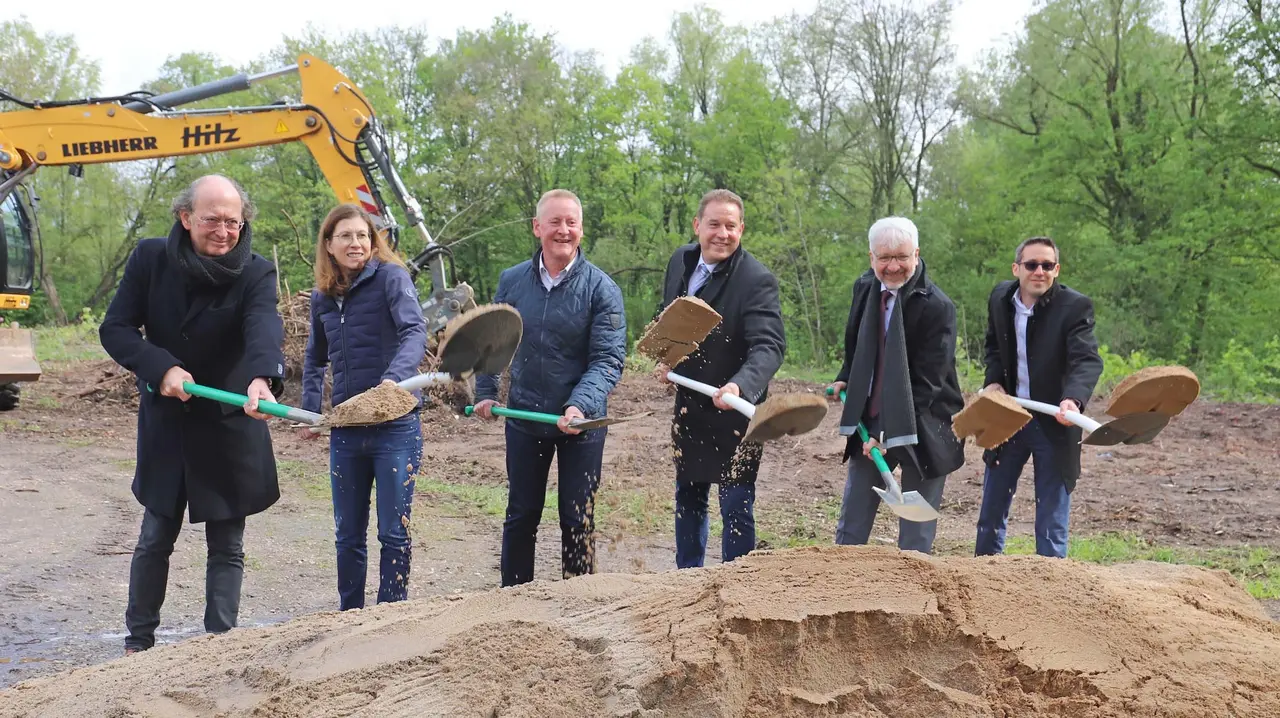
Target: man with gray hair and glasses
[899,374]
[208,304]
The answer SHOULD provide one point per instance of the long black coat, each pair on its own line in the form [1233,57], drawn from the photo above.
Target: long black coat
[1062,361]
[746,348]
[929,325]
[213,456]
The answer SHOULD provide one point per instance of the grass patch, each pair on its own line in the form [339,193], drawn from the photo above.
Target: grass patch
[313,480]
[74,342]
[125,464]
[817,374]
[1257,568]
[475,499]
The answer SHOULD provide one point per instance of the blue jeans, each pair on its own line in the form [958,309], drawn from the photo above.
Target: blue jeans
[528,462]
[738,534]
[361,457]
[1053,501]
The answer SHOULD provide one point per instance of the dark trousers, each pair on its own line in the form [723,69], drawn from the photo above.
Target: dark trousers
[738,534]
[149,576]
[1053,501]
[384,457]
[859,505]
[528,462]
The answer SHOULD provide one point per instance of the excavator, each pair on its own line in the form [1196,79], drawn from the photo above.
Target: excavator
[334,120]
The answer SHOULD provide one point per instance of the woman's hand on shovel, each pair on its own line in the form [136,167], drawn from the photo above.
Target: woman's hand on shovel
[306,434]
[481,409]
[868,445]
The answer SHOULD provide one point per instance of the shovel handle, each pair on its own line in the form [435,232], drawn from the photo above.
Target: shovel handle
[1080,420]
[422,381]
[890,483]
[266,407]
[537,416]
[743,406]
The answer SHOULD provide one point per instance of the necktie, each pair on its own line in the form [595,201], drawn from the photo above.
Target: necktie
[700,277]
[874,409]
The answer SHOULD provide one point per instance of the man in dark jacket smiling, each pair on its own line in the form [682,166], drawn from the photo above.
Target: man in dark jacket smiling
[900,372]
[570,358]
[740,356]
[1040,346]
[209,307]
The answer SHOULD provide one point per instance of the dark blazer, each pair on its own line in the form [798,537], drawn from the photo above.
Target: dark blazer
[929,325]
[573,346]
[1062,361]
[746,348]
[213,456]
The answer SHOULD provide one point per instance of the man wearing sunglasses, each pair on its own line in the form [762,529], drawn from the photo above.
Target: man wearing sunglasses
[1040,346]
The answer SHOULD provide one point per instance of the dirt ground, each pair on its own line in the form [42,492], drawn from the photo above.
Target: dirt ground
[70,520]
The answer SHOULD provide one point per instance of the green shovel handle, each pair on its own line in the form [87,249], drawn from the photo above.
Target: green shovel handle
[266,407]
[862,434]
[518,414]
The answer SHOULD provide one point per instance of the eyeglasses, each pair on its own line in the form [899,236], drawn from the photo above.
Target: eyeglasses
[349,237]
[232,225]
[1030,266]
[899,258]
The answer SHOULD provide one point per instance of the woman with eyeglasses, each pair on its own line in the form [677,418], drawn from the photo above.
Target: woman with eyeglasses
[367,326]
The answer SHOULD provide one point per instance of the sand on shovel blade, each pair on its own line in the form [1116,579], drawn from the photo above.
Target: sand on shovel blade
[676,332]
[384,402]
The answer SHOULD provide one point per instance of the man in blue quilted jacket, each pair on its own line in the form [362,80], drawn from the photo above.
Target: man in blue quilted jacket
[570,358]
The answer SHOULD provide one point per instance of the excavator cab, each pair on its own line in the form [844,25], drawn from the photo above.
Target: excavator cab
[17,276]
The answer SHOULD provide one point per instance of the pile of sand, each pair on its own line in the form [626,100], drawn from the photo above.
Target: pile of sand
[830,631]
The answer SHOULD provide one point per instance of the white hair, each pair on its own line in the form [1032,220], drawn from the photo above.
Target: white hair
[893,231]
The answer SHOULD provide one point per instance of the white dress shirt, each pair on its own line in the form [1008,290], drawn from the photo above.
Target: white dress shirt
[1020,316]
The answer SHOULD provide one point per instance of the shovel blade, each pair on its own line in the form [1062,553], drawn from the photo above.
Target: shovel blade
[1131,429]
[912,506]
[481,341]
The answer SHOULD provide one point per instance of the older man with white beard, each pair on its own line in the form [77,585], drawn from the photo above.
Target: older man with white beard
[900,375]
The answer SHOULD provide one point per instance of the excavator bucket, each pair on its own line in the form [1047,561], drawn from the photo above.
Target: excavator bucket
[17,356]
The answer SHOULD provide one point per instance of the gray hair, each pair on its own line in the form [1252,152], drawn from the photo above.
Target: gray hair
[185,201]
[893,229]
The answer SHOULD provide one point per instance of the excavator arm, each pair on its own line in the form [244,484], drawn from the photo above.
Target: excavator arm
[334,121]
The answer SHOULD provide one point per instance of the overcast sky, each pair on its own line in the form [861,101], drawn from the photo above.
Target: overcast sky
[130,41]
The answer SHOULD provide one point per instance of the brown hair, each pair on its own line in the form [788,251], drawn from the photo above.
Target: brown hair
[1046,241]
[329,277]
[722,195]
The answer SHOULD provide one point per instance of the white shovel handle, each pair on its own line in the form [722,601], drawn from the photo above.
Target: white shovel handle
[422,381]
[1076,418]
[745,407]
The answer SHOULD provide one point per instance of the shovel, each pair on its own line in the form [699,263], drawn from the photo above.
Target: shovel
[910,505]
[778,416]
[266,407]
[580,424]
[1131,429]
[679,330]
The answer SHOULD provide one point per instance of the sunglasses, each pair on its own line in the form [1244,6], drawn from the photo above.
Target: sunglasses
[1031,266]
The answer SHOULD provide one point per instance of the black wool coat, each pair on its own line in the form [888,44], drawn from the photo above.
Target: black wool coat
[212,457]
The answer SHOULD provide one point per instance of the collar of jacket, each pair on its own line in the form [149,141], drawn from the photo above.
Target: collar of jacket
[1043,301]
[691,261]
[578,260]
[369,268]
[919,283]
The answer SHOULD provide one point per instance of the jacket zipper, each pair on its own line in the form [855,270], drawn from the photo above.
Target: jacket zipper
[342,332]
